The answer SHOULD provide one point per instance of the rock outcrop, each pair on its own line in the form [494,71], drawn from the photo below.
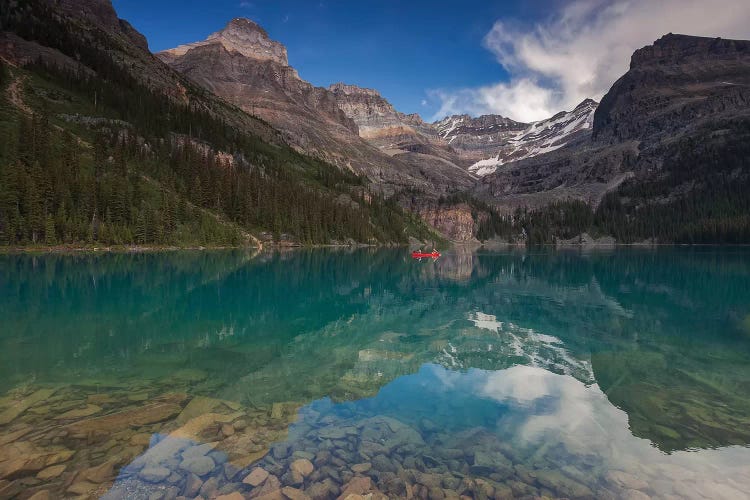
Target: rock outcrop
[243,65]
[376,118]
[242,36]
[679,91]
[479,144]
[455,222]
[674,86]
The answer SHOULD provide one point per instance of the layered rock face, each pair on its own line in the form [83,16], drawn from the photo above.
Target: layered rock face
[479,144]
[404,137]
[455,222]
[242,65]
[681,88]
[675,85]
[376,117]
[242,36]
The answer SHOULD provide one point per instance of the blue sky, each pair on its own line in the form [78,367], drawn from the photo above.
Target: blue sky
[401,48]
[523,59]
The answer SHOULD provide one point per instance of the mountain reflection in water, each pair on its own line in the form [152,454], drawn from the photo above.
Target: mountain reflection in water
[612,374]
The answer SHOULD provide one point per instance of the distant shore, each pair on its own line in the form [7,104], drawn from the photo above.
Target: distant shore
[63,249]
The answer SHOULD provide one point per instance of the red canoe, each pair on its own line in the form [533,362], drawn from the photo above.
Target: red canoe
[422,255]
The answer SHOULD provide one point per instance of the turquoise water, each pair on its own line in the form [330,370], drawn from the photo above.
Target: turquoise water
[611,374]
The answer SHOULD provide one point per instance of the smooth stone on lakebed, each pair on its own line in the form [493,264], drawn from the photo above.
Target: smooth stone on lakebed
[81,488]
[18,407]
[192,485]
[198,450]
[294,493]
[271,489]
[235,495]
[51,472]
[154,474]
[302,466]
[303,454]
[87,411]
[40,495]
[256,477]
[363,467]
[200,466]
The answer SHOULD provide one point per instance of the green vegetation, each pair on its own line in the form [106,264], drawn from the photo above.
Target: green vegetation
[699,196]
[91,154]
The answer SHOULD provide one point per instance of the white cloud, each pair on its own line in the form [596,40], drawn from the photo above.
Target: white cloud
[581,49]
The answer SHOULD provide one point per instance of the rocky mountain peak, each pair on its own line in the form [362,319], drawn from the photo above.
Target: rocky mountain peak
[243,36]
[674,84]
[352,90]
[673,49]
[103,14]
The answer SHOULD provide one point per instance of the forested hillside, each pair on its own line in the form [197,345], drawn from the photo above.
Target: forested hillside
[95,149]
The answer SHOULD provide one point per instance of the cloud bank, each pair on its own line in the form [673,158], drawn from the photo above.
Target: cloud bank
[581,49]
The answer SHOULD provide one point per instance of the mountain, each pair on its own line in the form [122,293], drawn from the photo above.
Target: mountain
[667,157]
[243,65]
[405,137]
[478,145]
[103,143]
[496,140]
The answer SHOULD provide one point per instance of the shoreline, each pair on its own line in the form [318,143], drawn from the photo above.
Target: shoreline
[73,249]
[132,249]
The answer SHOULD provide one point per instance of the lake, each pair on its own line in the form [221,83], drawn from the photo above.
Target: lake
[332,373]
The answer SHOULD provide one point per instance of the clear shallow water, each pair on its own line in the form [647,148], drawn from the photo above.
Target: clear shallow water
[604,375]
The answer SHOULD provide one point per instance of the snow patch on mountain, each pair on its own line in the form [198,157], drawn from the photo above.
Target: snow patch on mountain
[540,137]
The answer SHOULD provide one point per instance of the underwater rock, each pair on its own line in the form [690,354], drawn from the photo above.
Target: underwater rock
[304,454]
[627,480]
[81,488]
[210,487]
[20,406]
[256,477]
[201,405]
[557,482]
[15,435]
[99,473]
[154,474]
[143,439]
[359,485]
[332,432]
[200,466]
[361,468]
[100,399]
[80,412]
[166,451]
[196,426]
[231,496]
[294,493]
[24,458]
[630,494]
[198,450]
[271,489]
[280,451]
[51,472]
[40,495]
[489,462]
[193,485]
[133,417]
[302,466]
[322,490]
